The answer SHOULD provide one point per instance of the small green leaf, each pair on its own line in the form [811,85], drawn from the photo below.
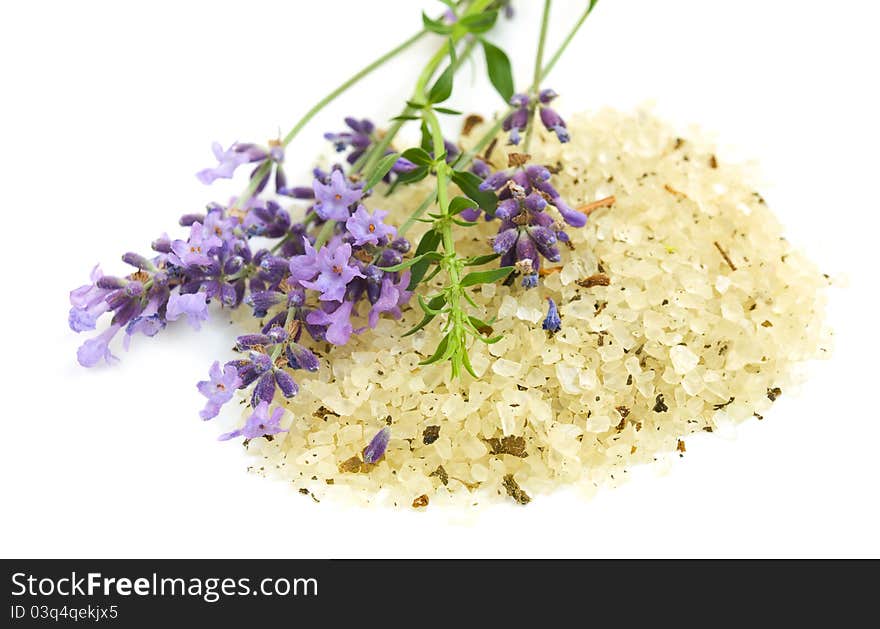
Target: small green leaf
[480,260]
[440,353]
[442,88]
[417,156]
[385,164]
[415,105]
[431,256]
[498,68]
[412,176]
[486,277]
[446,110]
[436,303]
[460,204]
[428,308]
[435,26]
[402,117]
[479,22]
[462,223]
[429,242]
[470,185]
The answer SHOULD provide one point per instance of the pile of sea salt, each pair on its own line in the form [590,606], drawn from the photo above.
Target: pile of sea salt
[684,310]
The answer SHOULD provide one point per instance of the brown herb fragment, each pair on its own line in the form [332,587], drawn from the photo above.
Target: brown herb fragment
[713,162]
[512,445]
[589,208]
[515,160]
[708,429]
[440,473]
[487,155]
[660,404]
[430,434]
[774,393]
[470,122]
[352,465]
[725,256]
[421,501]
[680,446]
[515,491]
[323,412]
[672,190]
[597,279]
[766,324]
[599,307]
[718,407]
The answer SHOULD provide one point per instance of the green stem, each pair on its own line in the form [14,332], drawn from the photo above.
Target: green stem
[536,81]
[567,40]
[347,84]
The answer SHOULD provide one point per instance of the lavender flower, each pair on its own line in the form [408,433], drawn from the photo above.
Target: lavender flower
[377,446]
[334,272]
[335,197]
[369,228]
[338,322]
[92,351]
[192,305]
[259,424]
[219,389]
[229,160]
[552,322]
[552,121]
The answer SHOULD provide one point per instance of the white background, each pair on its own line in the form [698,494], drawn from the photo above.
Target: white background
[108,108]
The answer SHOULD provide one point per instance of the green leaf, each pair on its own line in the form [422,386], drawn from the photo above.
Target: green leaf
[414,105]
[428,308]
[470,185]
[486,277]
[417,156]
[412,176]
[446,110]
[466,360]
[442,88]
[402,117]
[435,26]
[460,204]
[385,164]
[429,242]
[479,22]
[436,303]
[480,260]
[431,256]
[498,68]
[462,223]
[440,353]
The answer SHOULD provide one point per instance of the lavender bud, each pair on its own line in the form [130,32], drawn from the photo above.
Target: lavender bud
[507,209]
[390,257]
[249,341]
[261,362]
[188,219]
[535,202]
[530,280]
[537,173]
[296,298]
[109,282]
[480,168]
[377,446]
[552,322]
[495,181]
[228,294]
[401,244]
[519,100]
[137,260]
[547,95]
[277,335]
[162,244]
[264,391]
[233,265]
[286,383]
[302,192]
[542,236]
[298,357]
[505,240]
[569,215]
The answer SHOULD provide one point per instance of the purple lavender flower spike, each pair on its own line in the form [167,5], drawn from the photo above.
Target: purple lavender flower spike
[259,424]
[219,389]
[92,351]
[229,160]
[375,450]
[369,228]
[192,305]
[334,272]
[338,322]
[552,322]
[335,197]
